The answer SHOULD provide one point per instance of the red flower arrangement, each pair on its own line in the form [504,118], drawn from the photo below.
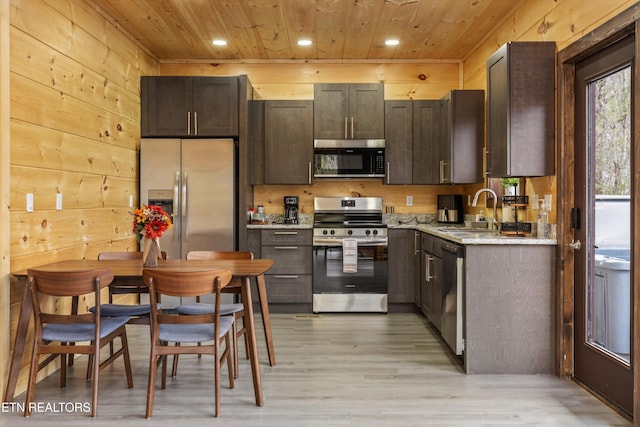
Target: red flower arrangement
[151,222]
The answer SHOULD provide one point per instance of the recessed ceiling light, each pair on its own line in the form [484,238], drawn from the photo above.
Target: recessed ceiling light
[304,42]
[219,42]
[392,42]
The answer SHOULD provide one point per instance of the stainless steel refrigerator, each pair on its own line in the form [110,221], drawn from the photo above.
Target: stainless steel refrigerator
[194,180]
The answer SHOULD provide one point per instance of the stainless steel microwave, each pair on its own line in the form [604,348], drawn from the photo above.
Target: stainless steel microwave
[348,158]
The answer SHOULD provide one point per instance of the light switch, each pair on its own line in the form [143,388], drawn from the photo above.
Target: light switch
[58,201]
[409,200]
[29,202]
[130,200]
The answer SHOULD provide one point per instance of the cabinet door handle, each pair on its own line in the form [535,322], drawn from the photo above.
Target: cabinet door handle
[285,248]
[388,171]
[188,122]
[310,176]
[487,163]
[195,122]
[345,128]
[428,258]
[285,233]
[443,180]
[352,136]
[416,240]
[281,276]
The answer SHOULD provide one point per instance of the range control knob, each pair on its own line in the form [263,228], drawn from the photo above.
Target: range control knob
[375,232]
[350,232]
[367,232]
[332,232]
[324,232]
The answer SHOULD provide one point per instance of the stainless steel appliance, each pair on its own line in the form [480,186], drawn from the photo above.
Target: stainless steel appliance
[452,296]
[290,209]
[195,181]
[350,252]
[349,158]
[449,208]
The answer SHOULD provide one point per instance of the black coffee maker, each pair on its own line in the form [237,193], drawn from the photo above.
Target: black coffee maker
[290,209]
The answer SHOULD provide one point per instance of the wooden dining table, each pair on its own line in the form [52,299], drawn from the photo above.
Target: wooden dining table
[244,269]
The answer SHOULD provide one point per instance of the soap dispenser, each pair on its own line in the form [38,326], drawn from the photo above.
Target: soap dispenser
[543,222]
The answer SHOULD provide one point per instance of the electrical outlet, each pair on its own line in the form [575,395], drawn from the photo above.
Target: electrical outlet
[409,200]
[130,200]
[58,201]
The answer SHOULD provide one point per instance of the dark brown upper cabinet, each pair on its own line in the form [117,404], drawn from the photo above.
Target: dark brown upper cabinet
[411,141]
[288,142]
[348,111]
[520,110]
[398,125]
[426,141]
[461,141]
[177,106]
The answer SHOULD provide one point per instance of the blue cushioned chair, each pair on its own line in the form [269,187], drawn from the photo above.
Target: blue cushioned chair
[139,313]
[209,330]
[62,334]
[235,309]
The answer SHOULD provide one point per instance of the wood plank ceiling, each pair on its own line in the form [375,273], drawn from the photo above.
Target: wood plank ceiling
[340,30]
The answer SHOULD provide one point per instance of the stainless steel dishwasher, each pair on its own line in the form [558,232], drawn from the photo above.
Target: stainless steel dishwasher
[452,296]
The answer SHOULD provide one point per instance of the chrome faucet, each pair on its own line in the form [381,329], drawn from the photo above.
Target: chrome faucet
[495,204]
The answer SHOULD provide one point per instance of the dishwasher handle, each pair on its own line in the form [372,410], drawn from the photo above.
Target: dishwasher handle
[457,250]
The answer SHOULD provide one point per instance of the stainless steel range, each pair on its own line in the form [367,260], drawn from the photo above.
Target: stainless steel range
[349,255]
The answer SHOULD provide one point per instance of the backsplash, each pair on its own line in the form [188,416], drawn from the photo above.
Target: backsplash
[424,196]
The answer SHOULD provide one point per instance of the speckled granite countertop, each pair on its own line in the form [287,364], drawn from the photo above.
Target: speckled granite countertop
[425,223]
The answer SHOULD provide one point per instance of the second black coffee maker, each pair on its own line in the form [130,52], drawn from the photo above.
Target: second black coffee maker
[290,209]
[449,208]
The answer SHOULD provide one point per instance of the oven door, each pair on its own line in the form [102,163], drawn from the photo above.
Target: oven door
[370,275]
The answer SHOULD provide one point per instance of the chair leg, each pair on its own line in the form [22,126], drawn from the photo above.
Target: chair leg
[96,374]
[63,370]
[228,357]
[153,372]
[235,348]
[125,354]
[31,385]
[174,368]
[216,378]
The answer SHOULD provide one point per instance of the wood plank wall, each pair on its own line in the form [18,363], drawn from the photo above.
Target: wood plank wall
[74,126]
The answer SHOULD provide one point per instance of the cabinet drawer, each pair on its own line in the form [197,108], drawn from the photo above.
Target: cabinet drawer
[287,237]
[289,288]
[289,259]
[432,244]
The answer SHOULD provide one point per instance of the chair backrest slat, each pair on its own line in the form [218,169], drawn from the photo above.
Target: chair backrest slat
[219,255]
[185,283]
[70,283]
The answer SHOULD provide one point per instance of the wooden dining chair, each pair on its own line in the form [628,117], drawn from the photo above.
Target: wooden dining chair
[139,313]
[235,309]
[167,328]
[65,334]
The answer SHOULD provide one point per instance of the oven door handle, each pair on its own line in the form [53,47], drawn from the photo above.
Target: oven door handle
[336,242]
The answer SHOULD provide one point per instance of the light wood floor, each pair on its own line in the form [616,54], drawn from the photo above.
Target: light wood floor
[332,370]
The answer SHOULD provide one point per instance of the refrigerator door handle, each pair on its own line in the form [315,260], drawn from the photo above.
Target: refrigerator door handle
[185,217]
[174,213]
